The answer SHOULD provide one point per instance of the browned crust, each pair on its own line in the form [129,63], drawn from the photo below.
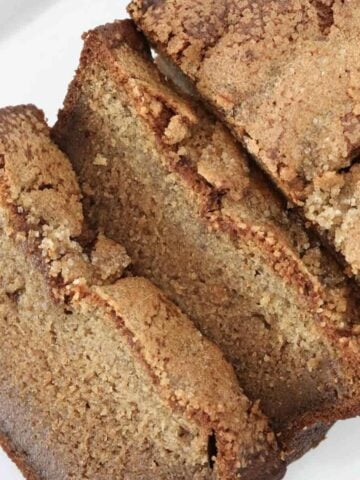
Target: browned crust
[19,216]
[306,433]
[23,109]
[124,32]
[18,458]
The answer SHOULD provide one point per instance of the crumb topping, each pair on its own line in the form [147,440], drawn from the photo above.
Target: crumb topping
[40,184]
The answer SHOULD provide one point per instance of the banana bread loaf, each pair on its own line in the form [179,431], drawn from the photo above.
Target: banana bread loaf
[285,76]
[165,179]
[101,377]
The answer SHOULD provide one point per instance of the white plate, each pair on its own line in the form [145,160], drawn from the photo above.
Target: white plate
[39,50]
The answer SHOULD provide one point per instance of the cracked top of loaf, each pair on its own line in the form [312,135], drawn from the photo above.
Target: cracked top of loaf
[285,76]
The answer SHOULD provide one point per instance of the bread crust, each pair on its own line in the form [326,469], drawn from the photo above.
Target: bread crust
[307,142]
[18,458]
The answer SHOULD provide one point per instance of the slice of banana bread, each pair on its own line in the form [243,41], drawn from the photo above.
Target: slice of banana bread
[168,181]
[101,377]
[285,76]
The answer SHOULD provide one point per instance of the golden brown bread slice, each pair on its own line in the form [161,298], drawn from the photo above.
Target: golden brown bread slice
[101,377]
[167,180]
[285,76]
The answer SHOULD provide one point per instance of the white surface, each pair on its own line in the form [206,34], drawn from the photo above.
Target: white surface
[41,47]
[39,50]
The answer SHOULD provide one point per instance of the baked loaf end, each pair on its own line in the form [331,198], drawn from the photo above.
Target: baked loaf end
[167,180]
[102,377]
[285,77]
